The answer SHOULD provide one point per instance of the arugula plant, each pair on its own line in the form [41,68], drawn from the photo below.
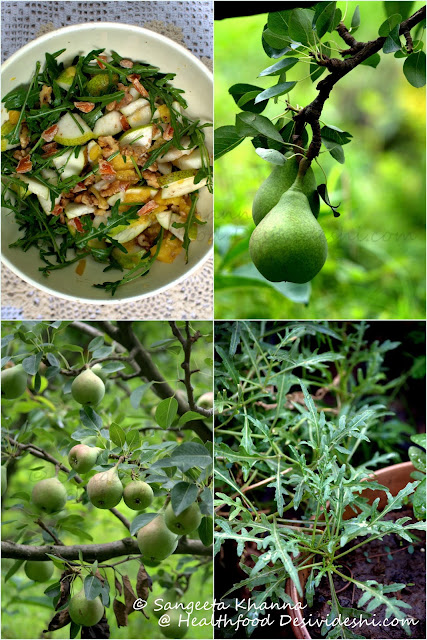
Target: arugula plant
[305,450]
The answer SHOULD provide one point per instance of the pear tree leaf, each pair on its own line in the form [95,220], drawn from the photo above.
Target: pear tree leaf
[279,67]
[166,412]
[355,21]
[271,155]
[251,124]
[335,134]
[117,435]
[278,22]
[205,531]
[316,71]
[244,95]
[392,42]
[335,149]
[269,50]
[182,495]
[277,90]
[323,192]
[300,26]
[404,7]
[372,61]
[277,41]
[388,25]
[188,416]
[226,139]
[323,17]
[414,69]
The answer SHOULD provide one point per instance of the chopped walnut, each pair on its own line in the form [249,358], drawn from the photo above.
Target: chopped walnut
[151,178]
[114,187]
[24,136]
[108,145]
[111,105]
[45,95]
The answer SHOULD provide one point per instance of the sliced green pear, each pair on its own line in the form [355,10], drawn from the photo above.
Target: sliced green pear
[116,196]
[72,130]
[173,153]
[179,183]
[46,205]
[66,77]
[134,93]
[99,83]
[77,209]
[164,167]
[140,117]
[130,108]
[166,220]
[108,125]
[131,258]
[34,186]
[6,128]
[50,175]
[193,161]
[68,165]
[124,233]
[141,136]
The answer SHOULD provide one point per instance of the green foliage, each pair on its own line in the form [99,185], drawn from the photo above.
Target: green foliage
[365,247]
[126,433]
[296,403]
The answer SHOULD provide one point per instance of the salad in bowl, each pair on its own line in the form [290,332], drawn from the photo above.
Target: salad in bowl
[100,161]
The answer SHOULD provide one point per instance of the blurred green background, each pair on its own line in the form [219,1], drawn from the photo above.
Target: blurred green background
[376,262]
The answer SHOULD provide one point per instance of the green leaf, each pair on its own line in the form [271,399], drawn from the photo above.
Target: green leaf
[414,69]
[137,394]
[372,61]
[392,42]
[251,124]
[277,90]
[355,21]
[300,26]
[188,416]
[277,41]
[420,439]
[389,24]
[316,72]
[32,363]
[419,501]
[226,139]
[323,18]
[205,531]
[117,435]
[13,569]
[329,132]
[133,439]
[244,95]
[249,276]
[278,22]
[228,364]
[282,65]
[418,458]
[182,495]
[166,412]
[335,149]
[404,8]
[271,155]
[269,50]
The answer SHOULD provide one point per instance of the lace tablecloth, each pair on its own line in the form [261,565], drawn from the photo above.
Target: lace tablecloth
[190,24]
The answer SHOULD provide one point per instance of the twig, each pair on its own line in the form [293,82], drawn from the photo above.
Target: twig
[100,552]
[52,535]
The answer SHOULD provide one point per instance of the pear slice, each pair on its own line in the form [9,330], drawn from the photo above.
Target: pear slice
[66,77]
[69,134]
[131,258]
[108,125]
[46,204]
[140,117]
[193,161]
[7,127]
[141,136]
[76,209]
[173,153]
[35,186]
[134,106]
[179,183]
[50,175]
[72,166]
[166,220]
[124,233]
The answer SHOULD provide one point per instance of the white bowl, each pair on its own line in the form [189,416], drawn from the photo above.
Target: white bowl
[192,76]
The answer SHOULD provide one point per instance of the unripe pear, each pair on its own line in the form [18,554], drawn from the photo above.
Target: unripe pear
[206,400]
[176,630]
[289,244]
[100,371]
[13,382]
[278,182]
[155,541]
[38,571]
[105,489]
[87,388]
[82,458]
[186,522]
[138,495]
[49,495]
[85,612]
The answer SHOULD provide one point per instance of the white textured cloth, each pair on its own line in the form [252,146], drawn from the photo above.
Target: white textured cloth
[189,23]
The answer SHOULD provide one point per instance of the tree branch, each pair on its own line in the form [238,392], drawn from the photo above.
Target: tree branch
[187,344]
[91,552]
[125,335]
[361,51]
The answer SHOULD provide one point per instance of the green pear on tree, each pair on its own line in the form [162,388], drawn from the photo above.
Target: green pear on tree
[85,612]
[13,382]
[38,571]
[138,495]
[49,495]
[105,489]
[88,388]
[186,522]
[156,541]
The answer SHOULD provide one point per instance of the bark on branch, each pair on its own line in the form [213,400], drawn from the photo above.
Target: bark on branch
[91,552]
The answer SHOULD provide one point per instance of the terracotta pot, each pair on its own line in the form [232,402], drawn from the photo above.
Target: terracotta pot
[395,478]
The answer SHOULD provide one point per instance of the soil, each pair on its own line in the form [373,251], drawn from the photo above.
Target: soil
[372,562]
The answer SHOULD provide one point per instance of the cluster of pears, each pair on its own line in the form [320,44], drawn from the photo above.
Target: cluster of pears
[159,538]
[288,244]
